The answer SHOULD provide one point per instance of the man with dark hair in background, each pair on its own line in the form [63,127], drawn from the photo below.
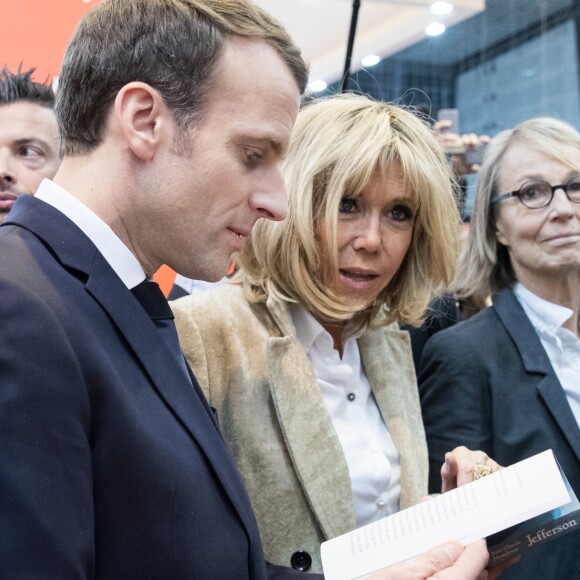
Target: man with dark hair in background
[29,136]
[174,116]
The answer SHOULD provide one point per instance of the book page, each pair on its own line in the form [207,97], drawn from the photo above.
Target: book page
[473,511]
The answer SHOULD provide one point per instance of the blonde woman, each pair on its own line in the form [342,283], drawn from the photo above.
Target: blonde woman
[507,380]
[302,356]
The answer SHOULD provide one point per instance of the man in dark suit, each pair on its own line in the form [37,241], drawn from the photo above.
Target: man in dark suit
[174,116]
[111,465]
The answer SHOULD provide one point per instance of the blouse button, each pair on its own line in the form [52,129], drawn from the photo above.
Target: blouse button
[351,397]
[301,560]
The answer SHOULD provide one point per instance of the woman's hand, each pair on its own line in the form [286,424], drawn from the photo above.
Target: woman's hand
[462,465]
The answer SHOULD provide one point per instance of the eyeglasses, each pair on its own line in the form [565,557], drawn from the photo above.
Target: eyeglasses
[539,194]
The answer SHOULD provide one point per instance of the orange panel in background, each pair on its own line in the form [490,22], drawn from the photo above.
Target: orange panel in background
[165,277]
[36,32]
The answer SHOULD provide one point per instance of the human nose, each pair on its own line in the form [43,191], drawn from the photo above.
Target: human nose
[7,176]
[561,204]
[271,200]
[368,234]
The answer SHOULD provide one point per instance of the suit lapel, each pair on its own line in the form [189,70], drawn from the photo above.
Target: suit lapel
[308,432]
[553,395]
[384,352]
[537,363]
[77,252]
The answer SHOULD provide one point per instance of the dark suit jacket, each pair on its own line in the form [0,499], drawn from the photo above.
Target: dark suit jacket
[487,383]
[111,464]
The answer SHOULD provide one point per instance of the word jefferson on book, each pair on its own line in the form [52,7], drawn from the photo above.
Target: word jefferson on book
[542,534]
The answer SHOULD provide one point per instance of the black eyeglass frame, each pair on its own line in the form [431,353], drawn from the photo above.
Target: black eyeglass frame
[563,186]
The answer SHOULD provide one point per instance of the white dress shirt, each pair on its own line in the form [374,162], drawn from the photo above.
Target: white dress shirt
[117,254]
[191,286]
[561,345]
[372,458]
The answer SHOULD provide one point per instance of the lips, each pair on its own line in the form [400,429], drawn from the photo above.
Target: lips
[358,279]
[358,274]
[7,200]
[239,236]
[563,239]
[240,232]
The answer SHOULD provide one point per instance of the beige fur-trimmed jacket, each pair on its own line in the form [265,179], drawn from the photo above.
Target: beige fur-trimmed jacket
[257,376]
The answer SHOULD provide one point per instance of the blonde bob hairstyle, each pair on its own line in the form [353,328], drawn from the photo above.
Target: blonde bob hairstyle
[338,143]
[484,266]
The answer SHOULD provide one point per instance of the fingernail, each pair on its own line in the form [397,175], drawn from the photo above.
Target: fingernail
[453,550]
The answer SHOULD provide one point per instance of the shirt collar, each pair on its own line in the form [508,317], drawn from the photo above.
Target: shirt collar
[309,329]
[117,254]
[545,316]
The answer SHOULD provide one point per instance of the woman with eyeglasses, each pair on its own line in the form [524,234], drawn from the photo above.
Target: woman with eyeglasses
[507,380]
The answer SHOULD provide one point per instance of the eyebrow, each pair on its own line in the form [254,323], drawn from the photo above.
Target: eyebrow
[31,140]
[408,199]
[527,178]
[271,141]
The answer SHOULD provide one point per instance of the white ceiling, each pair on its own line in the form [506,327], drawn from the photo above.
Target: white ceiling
[321,28]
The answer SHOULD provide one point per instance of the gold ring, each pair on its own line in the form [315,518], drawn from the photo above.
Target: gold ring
[481,470]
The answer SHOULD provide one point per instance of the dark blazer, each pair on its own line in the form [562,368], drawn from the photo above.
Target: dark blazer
[487,383]
[111,464]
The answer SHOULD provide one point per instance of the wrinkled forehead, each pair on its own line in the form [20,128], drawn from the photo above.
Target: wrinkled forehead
[546,161]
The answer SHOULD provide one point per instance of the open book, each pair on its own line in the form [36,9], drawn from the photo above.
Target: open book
[495,503]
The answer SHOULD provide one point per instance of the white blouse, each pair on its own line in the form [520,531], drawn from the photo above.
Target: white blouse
[372,458]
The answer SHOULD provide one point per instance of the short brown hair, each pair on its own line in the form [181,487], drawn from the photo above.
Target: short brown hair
[172,45]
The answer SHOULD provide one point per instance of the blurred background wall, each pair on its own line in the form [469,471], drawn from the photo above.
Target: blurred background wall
[514,60]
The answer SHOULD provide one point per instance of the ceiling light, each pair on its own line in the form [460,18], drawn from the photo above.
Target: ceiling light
[317,86]
[435,29]
[441,7]
[371,60]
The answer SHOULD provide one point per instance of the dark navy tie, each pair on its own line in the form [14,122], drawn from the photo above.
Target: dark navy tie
[155,304]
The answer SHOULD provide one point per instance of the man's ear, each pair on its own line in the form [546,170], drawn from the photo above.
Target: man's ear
[143,118]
